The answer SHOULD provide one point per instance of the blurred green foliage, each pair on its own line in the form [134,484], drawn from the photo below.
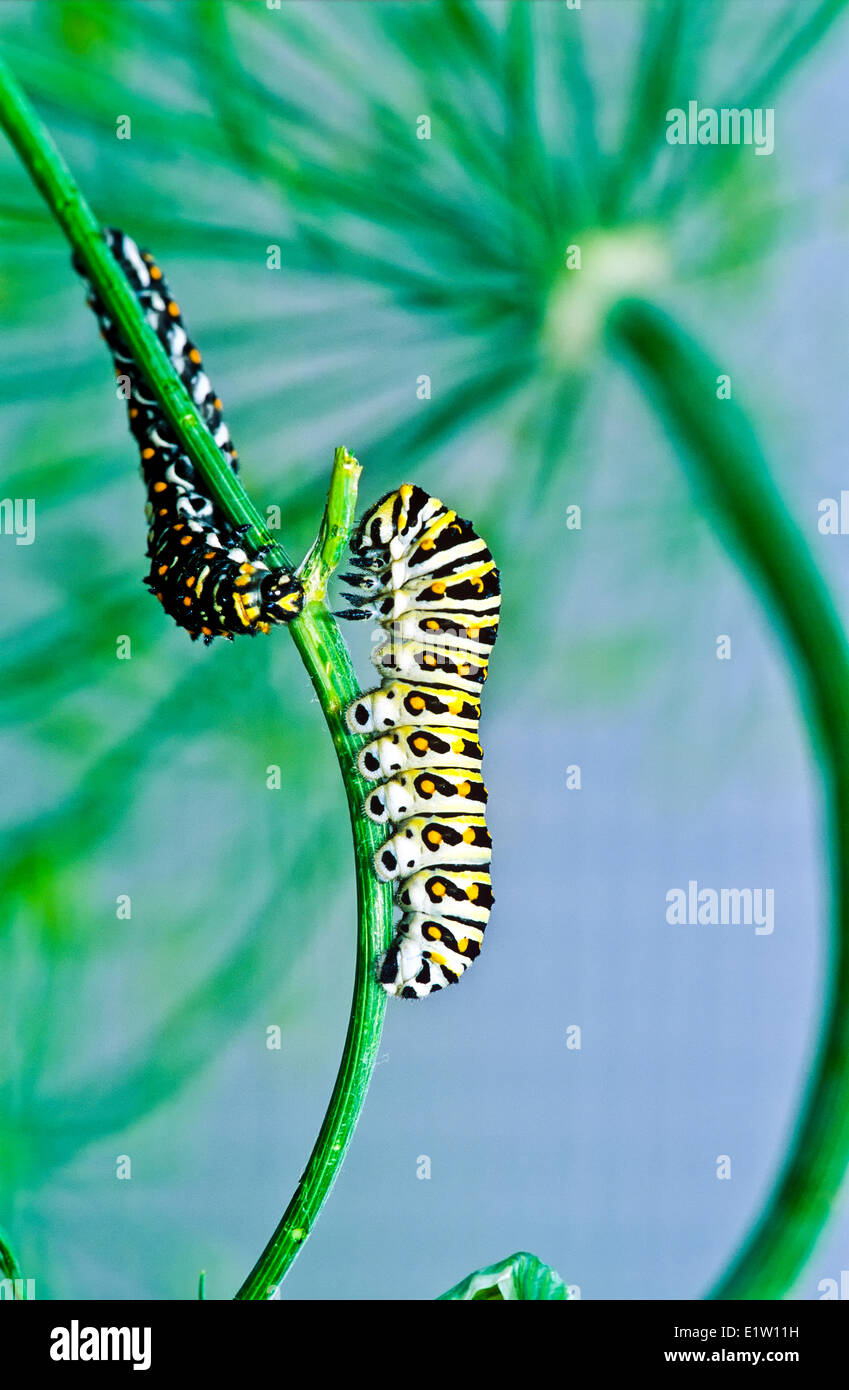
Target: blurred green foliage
[400,257]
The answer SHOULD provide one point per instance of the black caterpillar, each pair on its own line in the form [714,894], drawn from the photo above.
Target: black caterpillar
[427,577]
[200,572]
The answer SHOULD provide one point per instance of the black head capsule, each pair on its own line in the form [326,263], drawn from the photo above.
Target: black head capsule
[282,597]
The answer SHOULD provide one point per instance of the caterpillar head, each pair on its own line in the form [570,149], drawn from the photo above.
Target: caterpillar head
[282,596]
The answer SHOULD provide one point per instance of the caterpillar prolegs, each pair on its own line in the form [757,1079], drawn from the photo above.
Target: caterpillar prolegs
[427,577]
[200,571]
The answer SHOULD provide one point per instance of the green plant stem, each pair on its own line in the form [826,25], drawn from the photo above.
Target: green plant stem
[336,526]
[729,471]
[9,1267]
[316,637]
[323,652]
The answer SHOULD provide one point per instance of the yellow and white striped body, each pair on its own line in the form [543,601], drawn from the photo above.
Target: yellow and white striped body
[430,581]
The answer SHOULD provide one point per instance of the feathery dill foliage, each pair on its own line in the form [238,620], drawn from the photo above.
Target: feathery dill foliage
[400,257]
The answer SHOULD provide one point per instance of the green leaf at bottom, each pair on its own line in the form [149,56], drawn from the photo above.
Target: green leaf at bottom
[520,1276]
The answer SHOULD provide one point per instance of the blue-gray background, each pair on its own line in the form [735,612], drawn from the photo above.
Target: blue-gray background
[147,777]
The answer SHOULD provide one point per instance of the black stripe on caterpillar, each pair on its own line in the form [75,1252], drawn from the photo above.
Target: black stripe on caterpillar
[426,576]
[200,570]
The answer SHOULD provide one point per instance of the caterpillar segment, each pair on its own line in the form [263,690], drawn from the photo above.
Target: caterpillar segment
[444,631]
[413,660]
[448,791]
[426,576]
[428,953]
[394,522]
[473,591]
[398,702]
[425,841]
[464,896]
[418,746]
